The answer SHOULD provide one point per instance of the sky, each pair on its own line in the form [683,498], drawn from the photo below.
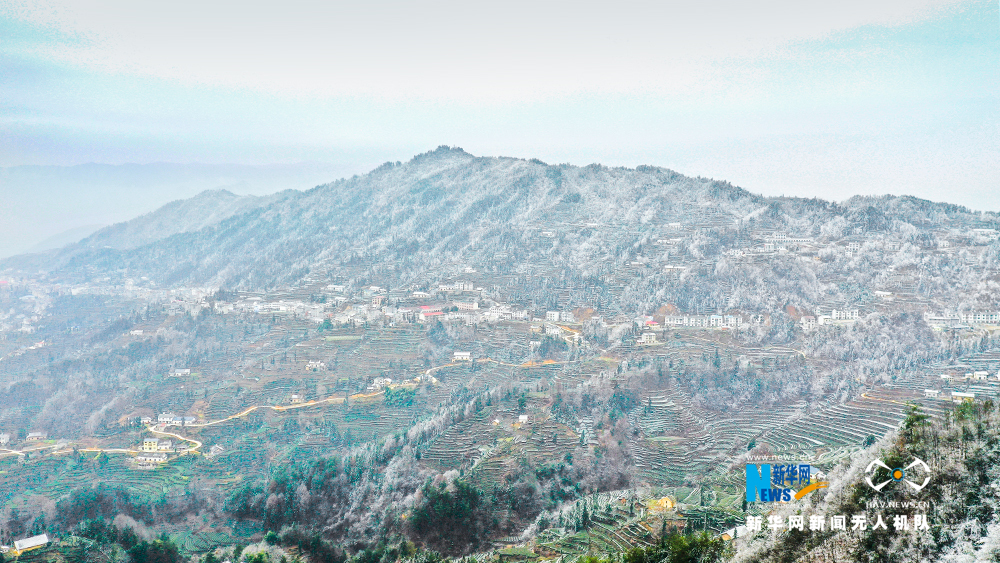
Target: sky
[781,97]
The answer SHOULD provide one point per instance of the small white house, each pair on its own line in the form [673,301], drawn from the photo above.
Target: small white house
[648,337]
[521,419]
[20,546]
[552,316]
[151,457]
[931,393]
[980,375]
[36,436]
[463,356]
[379,383]
[164,446]
[959,397]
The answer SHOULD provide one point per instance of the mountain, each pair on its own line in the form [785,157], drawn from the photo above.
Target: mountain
[66,237]
[52,199]
[444,211]
[181,216]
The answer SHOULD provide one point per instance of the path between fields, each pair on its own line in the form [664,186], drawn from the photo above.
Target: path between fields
[277,408]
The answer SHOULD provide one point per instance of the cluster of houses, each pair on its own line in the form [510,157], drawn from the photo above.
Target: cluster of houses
[979,375]
[21,547]
[839,316]
[972,318]
[5,438]
[958,396]
[953,396]
[170,419]
[156,445]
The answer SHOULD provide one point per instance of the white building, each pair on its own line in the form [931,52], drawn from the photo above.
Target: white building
[380,382]
[845,314]
[21,546]
[931,393]
[552,316]
[980,318]
[959,397]
[463,356]
[647,338]
[151,457]
[808,322]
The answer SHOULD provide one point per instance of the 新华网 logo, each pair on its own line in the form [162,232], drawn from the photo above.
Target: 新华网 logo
[773,483]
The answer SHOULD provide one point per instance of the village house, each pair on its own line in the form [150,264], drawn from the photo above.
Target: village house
[959,397]
[4,439]
[463,306]
[145,457]
[36,436]
[980,318]
[808,322]
[164,446]
[648,338]
[931,393]
[295,399]
[165,418]
[150,444]
[180,372]
[845,315]
[27,544]
[552,316]
[175,420]
[379,383]
[463,356]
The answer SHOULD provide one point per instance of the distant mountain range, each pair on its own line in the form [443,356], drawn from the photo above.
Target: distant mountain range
[51,201]
[446,211]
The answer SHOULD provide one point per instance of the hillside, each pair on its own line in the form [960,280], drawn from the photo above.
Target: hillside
[428,219]
[488,357]
[183,216]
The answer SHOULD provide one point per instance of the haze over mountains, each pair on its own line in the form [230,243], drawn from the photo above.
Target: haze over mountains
[43,202]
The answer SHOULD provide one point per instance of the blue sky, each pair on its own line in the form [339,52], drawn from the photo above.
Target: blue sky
[777,96]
